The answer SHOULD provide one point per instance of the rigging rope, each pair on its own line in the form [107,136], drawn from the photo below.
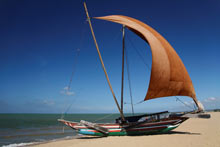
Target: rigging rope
[129,80]
[139,54]
[77,55]
[74,69]
[135,103]
[104,117]
[177,99]
[142,58]
[75,62]
[70,82]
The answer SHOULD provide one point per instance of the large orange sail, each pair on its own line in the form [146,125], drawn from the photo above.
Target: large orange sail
[169,76]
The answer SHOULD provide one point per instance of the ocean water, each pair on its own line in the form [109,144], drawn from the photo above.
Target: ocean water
[26,129]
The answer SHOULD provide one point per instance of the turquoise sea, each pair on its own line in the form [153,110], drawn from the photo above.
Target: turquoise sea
[26,129]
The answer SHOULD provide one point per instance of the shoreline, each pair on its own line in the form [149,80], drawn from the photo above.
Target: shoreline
[194,132]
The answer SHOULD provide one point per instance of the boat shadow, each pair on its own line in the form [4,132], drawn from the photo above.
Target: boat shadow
[90,137]
[179,132]
[168,133]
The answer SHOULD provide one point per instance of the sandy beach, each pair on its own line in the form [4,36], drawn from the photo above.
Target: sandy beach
[192,133]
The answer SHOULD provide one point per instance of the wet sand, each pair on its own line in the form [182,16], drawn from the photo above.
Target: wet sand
[192,133]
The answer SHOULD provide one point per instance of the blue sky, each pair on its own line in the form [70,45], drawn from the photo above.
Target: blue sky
[40,38]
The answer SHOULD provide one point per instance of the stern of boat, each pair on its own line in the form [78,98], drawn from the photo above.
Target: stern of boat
[70,124]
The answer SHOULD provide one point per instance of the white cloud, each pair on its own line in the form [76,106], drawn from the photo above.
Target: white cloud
[69,93]
[65,88]
[48,102]
[210,99]
[65,91]
[212,102]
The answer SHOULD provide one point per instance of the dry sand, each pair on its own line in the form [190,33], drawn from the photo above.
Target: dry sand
[192,133]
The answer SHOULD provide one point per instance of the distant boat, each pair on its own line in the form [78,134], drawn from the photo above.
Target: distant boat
[169,77]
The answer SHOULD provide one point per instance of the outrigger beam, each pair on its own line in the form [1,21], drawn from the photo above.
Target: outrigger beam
[103,66]
[95,126]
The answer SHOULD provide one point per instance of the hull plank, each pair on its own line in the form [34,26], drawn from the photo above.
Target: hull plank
[128,133]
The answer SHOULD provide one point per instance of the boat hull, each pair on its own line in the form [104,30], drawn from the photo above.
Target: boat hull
[127,133]
[115,129]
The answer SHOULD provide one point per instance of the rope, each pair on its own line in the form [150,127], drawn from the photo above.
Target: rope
[177,99]
[135,103]
[70,82]
[65,112]
[75,62]
[104,117]
[77,55]
[142,58]
[139,102]
[139,54]
[74,69]
[129,80]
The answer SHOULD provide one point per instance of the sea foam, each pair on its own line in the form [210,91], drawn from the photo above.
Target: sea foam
[19,144]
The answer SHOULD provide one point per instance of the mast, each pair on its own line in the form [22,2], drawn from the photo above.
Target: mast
[122,77]
[103,66]
[122,73]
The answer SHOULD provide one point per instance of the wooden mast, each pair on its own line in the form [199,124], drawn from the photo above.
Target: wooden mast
[122,76]
[103,66]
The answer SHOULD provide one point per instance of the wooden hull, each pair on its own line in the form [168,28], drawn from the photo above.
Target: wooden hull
[114,129]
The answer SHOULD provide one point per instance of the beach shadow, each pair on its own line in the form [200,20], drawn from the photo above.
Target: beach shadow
[90,137]
[178,132]
[168,133]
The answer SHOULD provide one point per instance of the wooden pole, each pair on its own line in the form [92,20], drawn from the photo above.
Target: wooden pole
[103,66]
[200,109]
[122,73]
